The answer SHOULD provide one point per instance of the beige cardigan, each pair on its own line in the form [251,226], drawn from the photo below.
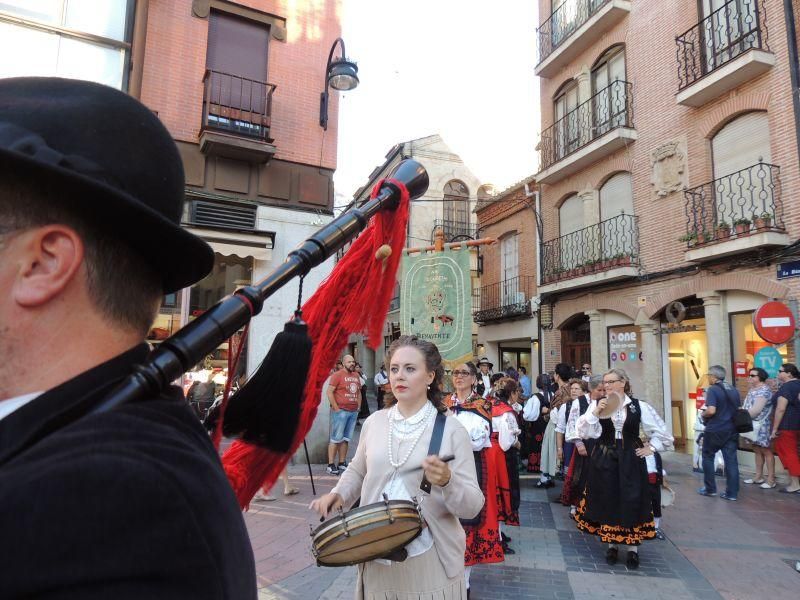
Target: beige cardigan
[369,472]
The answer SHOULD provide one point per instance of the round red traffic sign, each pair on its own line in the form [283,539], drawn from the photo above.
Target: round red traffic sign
[774,322]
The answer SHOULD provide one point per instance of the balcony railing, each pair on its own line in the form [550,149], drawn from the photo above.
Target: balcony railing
[237,105]
[725,34]
[565,20]
[608,109]
[454,231]
[504,300]
[607,245]
[739,204]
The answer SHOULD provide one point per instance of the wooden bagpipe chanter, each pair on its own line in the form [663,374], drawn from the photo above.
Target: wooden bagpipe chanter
[272,413]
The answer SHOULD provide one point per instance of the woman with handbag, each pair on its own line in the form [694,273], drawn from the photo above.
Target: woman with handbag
[760,406]
[390,461]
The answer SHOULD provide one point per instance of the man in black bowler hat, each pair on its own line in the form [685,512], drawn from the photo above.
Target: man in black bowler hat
[131,503]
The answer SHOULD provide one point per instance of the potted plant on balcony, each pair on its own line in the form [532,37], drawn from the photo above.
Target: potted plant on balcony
[690,238]
[762,221]
[704,236]
[742,226]
[723,230]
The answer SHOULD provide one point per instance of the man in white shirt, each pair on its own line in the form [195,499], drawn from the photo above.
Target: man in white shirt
[381,381]
[484,376]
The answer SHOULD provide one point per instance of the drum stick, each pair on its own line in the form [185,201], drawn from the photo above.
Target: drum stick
[446,459]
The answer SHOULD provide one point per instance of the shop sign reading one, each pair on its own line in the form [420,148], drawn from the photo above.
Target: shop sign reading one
[774,322]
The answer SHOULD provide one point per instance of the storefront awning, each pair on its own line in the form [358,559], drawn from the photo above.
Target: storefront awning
[258,245]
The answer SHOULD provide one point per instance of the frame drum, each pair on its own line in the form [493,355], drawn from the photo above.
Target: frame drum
[366,533]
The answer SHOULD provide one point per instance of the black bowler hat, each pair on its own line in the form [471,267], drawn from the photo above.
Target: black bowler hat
[115,161]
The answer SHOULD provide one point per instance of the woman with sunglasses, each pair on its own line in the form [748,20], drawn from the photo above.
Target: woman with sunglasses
[475,413]
[758,403]
[616,503]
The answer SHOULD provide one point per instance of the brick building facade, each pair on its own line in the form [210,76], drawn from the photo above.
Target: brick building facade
[238,86]
[504,306]
[665,181]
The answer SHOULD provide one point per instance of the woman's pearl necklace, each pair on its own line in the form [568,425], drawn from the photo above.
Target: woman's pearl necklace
[415,431]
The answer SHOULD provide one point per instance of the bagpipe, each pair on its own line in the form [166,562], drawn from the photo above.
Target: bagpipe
[272,413]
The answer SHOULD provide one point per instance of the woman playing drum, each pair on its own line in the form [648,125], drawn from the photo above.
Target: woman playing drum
[393,446]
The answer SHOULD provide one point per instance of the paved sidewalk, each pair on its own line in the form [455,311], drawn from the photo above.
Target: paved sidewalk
[715,549]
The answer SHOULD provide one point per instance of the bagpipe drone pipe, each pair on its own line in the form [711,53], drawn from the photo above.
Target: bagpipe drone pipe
[272,413]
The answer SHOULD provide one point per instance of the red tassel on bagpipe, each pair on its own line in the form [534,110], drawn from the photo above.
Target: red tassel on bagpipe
[353,299]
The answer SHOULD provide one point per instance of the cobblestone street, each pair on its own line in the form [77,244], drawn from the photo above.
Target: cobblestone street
[714,549]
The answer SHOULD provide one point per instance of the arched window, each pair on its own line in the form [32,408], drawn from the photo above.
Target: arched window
[566,132]
[743,185]
[456,209]
[570,215]
[608,90]
[616,216]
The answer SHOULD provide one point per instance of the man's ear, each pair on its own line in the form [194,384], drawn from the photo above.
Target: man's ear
[50,258]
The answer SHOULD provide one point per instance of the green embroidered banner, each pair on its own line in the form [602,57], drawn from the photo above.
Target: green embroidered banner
[436,302]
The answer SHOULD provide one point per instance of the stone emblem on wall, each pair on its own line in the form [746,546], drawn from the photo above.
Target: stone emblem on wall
[669,168]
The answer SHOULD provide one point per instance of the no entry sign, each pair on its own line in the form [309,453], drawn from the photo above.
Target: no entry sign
[774,322]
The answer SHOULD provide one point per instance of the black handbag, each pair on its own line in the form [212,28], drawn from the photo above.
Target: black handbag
[742,421]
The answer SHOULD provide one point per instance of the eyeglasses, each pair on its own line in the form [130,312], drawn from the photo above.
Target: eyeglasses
[462,373]
[607,381]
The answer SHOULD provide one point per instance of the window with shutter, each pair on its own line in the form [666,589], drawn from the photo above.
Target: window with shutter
[456,210]
[570,220]
[237,62]
[741,187]
[616,216]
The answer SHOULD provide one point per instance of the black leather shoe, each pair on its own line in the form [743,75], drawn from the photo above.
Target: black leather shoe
[633,560]
[611,555]
[504,537]
[508,550]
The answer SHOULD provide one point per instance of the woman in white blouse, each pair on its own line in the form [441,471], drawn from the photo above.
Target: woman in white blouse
[393,446]
[505,446]
[474,412]
[616,503]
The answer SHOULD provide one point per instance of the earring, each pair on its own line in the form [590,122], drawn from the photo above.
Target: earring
[429,387]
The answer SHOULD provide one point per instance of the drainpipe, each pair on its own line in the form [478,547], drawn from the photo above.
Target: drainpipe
[138,48]
[794,67]
[537,215]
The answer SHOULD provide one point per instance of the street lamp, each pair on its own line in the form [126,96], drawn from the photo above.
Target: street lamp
[340,74]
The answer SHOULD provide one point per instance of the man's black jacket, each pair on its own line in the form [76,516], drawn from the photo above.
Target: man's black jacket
[127,504]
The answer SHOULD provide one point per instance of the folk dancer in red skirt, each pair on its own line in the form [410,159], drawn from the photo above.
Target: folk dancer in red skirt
[505,451]
[616,503]
[575,481]
[475,414]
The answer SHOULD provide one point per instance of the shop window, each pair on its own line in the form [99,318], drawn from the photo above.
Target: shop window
[745,343]
[79,40]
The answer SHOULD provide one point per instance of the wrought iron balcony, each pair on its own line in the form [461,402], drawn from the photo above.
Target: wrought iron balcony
[727,33]
[454,231]
[503,300]
[563,22]
[237,105]
[607,245]
[608,109]
[735,206]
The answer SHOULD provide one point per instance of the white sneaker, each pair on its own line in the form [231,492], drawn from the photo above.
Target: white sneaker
[264,497]
[766,486]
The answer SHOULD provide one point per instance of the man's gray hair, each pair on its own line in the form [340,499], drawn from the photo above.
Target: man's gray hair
[717,371]
[595,382]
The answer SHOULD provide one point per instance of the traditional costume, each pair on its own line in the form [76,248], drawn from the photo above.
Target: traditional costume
[505,430]
[616,503]
[483,533]
[578,471]
[549,461]
[535,425]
